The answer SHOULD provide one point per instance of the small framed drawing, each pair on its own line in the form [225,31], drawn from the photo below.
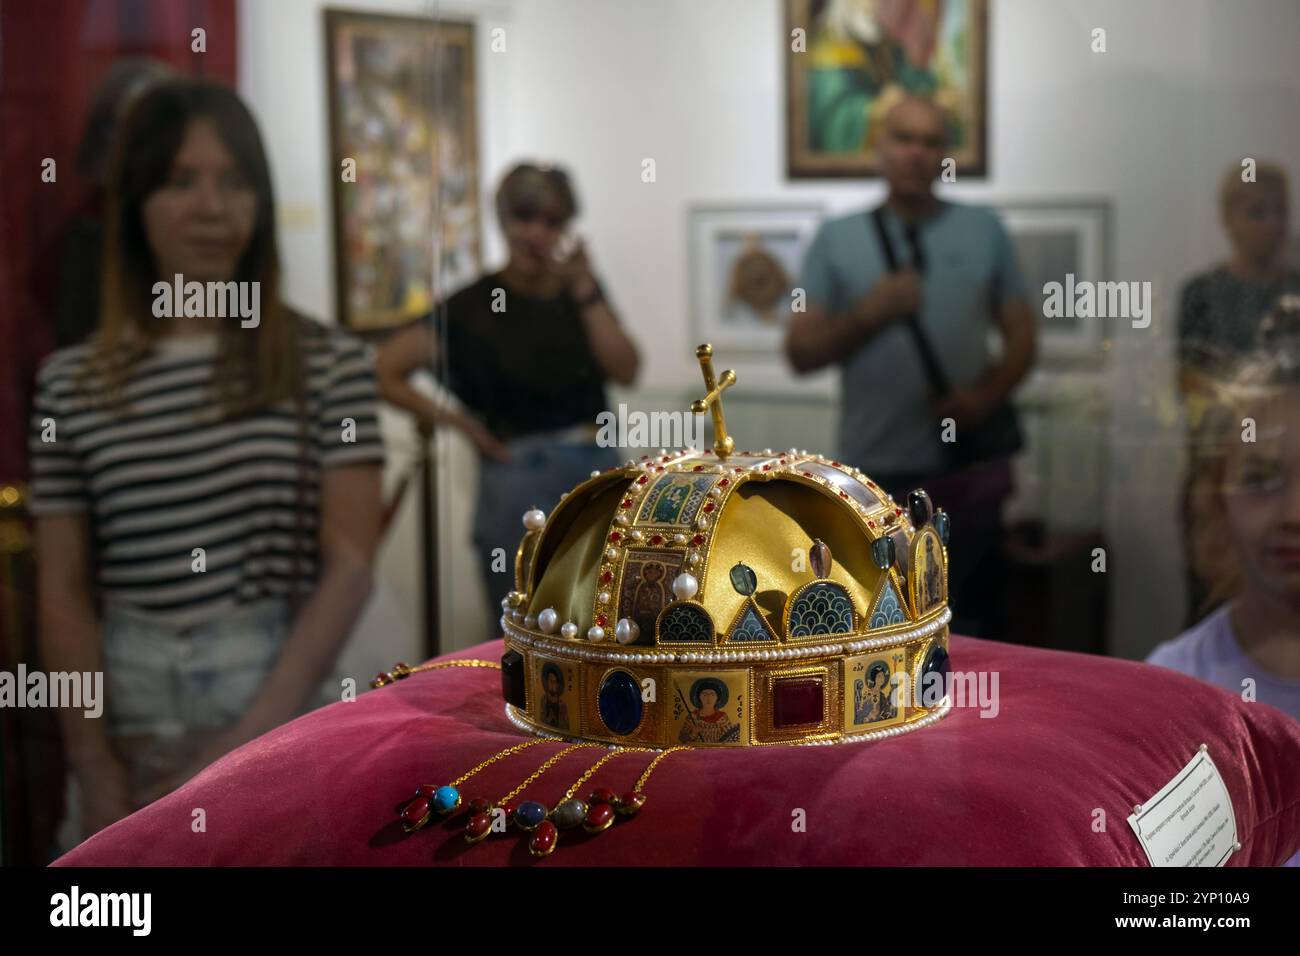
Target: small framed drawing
[1054,241]
[745,262]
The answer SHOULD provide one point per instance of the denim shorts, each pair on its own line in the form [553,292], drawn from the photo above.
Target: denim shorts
[169,682]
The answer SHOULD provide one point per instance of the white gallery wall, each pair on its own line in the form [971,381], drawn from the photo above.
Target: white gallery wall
[1185,88]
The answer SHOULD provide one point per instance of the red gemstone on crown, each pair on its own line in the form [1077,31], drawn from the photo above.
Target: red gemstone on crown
[601,620]
[642,480]
[698,539]
[767,467]
[698,468]
[607,577]
[724,482]
[656,539]
[796,701]
[627,502]
[708,506]
[614,536]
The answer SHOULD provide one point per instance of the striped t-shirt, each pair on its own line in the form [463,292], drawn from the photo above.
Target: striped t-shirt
[162,474]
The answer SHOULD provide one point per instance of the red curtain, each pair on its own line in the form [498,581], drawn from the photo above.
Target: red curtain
[53,55]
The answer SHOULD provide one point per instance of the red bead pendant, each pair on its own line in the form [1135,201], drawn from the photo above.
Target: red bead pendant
[543,840]
[630,803]
[415,814]
[600,795]
[479,826]
[480,805]
[599,817]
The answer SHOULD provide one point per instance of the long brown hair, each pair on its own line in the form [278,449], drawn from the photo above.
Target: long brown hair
[256,367]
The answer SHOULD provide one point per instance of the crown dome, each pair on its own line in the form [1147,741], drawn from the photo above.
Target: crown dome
[790,586]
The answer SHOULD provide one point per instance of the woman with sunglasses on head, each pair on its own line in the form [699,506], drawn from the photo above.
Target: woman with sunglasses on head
[206,487]
[527,351]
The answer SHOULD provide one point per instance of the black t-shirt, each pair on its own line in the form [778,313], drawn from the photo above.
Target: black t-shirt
[526,369]
[1220,316]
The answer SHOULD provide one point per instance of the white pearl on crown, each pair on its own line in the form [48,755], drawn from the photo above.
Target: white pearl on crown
[685,586]
[569,630]
[595,633]
[603,597]
[548,621]
[626,631]
[534,519]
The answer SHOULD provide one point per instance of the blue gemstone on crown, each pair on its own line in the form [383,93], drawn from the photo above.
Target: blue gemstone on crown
[882,552]
[619,703]
[943,525]
[919,507]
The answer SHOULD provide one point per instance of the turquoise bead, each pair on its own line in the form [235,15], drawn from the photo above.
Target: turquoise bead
[446,799]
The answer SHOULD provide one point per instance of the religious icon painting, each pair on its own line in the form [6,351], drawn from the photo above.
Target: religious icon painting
[875,690]
[928,578]
[710,707]
[675,499]
[646,588]
[855,59]
[557,693]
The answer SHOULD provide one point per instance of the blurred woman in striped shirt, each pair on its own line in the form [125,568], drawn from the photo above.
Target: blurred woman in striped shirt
[206,487]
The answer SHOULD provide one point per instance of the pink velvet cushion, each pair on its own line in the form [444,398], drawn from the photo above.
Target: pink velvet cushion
[1074,733]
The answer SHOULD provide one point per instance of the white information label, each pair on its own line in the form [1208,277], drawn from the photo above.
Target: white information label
[1189,822]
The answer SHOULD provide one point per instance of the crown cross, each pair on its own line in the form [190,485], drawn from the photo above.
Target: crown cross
[722,442]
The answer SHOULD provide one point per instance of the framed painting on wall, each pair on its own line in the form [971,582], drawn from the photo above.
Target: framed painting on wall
[745,262]
[403,143]
[1055,240]
[849,61]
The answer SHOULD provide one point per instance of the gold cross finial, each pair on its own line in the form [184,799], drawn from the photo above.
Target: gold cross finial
[722,442]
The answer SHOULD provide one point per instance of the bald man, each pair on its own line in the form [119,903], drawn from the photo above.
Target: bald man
[891,421]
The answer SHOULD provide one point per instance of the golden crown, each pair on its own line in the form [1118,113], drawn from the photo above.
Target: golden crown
[714,598]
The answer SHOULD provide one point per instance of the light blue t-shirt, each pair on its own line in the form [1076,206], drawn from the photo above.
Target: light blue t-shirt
[886,425]
[1209,650]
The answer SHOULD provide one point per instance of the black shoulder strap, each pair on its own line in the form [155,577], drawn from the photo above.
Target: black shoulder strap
[886,247]
[934,372]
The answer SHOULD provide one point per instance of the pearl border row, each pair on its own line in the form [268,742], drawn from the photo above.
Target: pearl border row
[573,650]
[940,711]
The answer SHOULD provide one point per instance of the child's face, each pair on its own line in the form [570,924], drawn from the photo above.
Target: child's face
[1262,493]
